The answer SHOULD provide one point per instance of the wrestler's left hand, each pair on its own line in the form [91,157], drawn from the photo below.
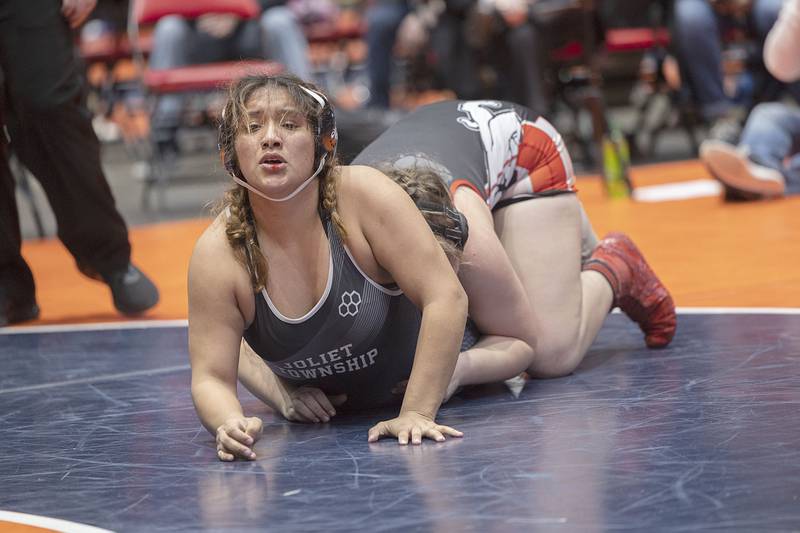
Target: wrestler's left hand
[414,426]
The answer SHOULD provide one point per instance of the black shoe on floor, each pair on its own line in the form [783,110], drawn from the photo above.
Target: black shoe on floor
[13,313]
[133,292]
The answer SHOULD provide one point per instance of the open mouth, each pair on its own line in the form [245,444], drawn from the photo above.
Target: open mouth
[272,160]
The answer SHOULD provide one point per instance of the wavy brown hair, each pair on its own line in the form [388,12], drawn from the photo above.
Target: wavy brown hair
[425,185]
[240,225]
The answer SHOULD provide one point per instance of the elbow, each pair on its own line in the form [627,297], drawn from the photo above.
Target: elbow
[198,390]
[450,300]
[460,301]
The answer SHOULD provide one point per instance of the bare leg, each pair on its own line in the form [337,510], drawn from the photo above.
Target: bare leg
[542,238]
[498,303]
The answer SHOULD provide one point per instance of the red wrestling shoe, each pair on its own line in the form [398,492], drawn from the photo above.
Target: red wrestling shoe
[637,290]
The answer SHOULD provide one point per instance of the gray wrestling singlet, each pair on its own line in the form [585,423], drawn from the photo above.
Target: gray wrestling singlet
[359,339]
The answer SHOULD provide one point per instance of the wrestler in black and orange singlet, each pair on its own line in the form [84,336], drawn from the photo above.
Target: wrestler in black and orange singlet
[496,148]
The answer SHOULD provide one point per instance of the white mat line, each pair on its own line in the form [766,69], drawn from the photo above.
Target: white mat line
[178,323]
[96,326]
[95,379]
[46,522]
[738,310]
[683,190]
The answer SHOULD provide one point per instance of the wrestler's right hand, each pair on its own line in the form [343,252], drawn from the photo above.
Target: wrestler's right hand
[310,404]
[236,436]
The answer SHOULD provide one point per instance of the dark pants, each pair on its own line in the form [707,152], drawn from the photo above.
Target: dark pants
[515,54]
[383,20]
[51,133]
[697,31]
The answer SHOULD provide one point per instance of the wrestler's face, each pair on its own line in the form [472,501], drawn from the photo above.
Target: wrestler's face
[274,144]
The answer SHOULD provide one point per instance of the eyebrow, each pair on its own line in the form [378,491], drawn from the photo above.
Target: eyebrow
[282,112]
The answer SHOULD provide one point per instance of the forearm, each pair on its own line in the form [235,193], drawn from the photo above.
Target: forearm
[215,402]
[782,48]
[261,381]
[493,358]
[435,358]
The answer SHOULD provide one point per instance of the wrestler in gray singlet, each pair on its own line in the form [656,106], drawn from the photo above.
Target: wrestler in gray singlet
[359,339]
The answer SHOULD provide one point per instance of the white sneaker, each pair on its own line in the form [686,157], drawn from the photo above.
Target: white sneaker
[735,170]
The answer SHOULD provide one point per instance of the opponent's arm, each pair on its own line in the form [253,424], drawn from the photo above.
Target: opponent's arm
[403,245]
[215,332]
[492,359]
[498,303]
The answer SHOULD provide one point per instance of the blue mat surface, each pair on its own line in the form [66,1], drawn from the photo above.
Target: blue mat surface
[98,427]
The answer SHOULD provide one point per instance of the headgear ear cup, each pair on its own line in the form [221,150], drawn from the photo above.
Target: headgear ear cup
[457,231]
[225,157]
[327,137]
[227,161]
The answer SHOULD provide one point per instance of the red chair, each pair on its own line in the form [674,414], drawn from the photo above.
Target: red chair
[206,78]
[609,51]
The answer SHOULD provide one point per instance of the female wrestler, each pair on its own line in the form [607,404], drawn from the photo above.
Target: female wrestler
[329,273]
[509,173]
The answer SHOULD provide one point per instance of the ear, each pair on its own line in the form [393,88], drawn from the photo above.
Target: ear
[228,163]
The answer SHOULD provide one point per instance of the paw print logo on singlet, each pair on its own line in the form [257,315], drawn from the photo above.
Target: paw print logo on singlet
[350,302]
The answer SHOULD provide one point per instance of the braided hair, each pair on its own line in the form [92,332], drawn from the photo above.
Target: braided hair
[425,186]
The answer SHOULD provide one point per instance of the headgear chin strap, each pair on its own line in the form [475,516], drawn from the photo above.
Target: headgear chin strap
[325,142]
[291,195]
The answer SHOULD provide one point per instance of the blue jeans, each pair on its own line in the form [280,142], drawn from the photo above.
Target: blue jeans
[697,40]
[383,20]
[176,42]
[772,138]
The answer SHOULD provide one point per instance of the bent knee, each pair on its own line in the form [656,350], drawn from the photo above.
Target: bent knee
[769,111]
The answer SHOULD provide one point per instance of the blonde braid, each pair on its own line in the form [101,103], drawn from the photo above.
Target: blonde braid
[425,185]
[328,198]
[241,232]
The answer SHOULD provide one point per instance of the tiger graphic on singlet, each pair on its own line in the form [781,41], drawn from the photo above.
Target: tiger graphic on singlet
[499,149]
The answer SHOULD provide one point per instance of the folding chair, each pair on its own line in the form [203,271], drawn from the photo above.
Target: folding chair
[205,78]
[579,85]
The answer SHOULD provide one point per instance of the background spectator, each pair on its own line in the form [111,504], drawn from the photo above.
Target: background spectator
[766,163]
[697,33]
[50,131]
[276,35]
[383,20]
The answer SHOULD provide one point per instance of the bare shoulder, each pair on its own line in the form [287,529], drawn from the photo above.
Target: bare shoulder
[366,198]
[212,243]
[221,300]
[362,186]
[213,264]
